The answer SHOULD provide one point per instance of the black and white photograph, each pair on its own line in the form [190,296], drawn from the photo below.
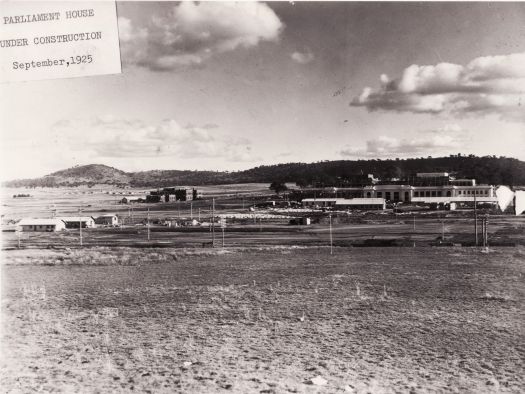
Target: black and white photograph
[262,197]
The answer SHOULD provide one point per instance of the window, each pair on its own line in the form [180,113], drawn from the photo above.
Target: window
[396,196]
[433,193]
[387,195]
[380,194]
[407,197]
[448,193]
[368,194]
[439,193]
[427,194]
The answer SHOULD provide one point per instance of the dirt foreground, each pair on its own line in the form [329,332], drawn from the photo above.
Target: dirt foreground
[378,320]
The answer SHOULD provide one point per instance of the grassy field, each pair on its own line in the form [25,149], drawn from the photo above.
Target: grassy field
[266,319]
[346,231]
[98,200]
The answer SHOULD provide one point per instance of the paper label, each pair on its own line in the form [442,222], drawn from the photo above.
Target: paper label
[49,40]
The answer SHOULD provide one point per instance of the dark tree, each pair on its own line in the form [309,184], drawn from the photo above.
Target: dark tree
[278,187]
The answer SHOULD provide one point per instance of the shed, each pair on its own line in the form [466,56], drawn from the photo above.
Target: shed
[77,221]
[107,220]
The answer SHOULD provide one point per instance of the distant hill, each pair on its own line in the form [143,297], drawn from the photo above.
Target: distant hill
[488,169]
[90,174]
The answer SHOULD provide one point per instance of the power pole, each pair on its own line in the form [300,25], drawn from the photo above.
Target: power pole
[213,222]
[486,232]
[80,223]
[148,227]
[330,221]
[476,219]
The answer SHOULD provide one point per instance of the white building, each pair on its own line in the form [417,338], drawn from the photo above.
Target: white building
[45,225]
[76,221]
[319,202]
[345,203]
[107,220]
[361,203]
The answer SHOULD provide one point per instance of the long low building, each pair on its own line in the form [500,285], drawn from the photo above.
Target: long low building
[345,203]
[361,203]
[472,199]
[319,202]
[398,192]
[45,225]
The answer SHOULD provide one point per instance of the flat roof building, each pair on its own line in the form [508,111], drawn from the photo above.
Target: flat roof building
[361,203]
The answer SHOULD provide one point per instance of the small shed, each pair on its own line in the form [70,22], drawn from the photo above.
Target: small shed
[77,221]
[107,220]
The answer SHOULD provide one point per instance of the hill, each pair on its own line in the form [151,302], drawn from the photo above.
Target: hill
[488,169]
[90,174]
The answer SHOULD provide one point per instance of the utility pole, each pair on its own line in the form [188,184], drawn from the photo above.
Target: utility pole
[148,227]
[476,219]
[80,223]
[485,232]
[213,222]
[330,221]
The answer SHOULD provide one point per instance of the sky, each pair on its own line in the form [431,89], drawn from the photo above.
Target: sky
[230,86]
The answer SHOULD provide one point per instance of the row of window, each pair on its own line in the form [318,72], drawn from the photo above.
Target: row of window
[472,192]
[427,193]
[433,193]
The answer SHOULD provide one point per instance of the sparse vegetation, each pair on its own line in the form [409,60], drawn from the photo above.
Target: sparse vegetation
[263,319]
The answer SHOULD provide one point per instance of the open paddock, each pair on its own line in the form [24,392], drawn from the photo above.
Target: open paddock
[266,319]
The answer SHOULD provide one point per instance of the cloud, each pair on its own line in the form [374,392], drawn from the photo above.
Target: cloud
[450,137]
[120,138]
[302,58]
[486,85]
[192,32]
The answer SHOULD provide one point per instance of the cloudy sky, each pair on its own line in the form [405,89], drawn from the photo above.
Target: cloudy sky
[229,86]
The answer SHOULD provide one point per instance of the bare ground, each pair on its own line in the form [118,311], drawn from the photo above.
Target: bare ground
[263,320]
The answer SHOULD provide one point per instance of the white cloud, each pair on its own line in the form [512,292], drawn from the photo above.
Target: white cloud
[193,32]
[450,137]
[302,57]
[491,84]
[120,138]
